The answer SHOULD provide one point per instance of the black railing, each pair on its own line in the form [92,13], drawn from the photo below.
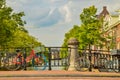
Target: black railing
[54,57]
[102,59]
[58,57]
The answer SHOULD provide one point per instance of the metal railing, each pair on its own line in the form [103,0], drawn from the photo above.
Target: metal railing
[102,60]
[58,57]
[55,57]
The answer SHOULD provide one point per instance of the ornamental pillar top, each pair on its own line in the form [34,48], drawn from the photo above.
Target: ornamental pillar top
[73,41]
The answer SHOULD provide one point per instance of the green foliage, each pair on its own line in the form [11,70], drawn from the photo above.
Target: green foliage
[91,27]
[12,31]
[89,32]
[71,33]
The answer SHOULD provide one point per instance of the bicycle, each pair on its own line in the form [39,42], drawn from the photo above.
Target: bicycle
[102,64]
[82,63]
[108,65]
[15,61]
[113,65]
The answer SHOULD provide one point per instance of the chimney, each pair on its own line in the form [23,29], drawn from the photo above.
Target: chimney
[104,8]
[104,12]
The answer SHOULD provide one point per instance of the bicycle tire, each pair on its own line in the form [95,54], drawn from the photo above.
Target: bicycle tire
[77,66]
[102,65]
[82,64]
[67,64]
[10,62]
[110,66]
[116,66]
[39,62]
[85,65]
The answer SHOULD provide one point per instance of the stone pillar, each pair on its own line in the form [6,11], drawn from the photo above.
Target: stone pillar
[73,44]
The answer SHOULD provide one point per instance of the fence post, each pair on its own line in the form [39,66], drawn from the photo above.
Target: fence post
[25,55]
[49,57]
[118,63]
[73,44]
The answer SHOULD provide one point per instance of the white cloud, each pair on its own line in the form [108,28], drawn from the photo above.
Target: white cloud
[54,0]
[51,11]
[48,20]
[66,11]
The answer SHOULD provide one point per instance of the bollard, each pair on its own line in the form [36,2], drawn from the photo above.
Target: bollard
[73,44]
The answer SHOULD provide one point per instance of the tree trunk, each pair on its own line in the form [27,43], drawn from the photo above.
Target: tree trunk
[90,68]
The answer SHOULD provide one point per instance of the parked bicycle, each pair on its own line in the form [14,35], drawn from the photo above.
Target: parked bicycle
[17,61]
[101,64]
[82,63]
[111,65]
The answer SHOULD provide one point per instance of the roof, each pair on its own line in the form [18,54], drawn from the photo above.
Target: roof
[113,19]
[104,12]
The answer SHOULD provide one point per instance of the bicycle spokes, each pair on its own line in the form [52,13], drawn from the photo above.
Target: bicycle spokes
[40,62]
[12,63]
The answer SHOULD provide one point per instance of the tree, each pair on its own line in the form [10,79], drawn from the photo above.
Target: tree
[23,39]
[9,22]
[91,29]
[91,32]
[12,29]
[71,33]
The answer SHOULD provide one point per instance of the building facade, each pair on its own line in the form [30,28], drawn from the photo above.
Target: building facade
[111,27]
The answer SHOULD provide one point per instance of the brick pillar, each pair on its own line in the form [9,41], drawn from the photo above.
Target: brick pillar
[73,44]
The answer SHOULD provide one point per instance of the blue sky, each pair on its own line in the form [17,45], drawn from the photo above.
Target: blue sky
[49,20]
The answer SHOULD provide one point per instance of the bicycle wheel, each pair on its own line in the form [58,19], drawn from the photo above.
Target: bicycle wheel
[82,64]
[12,63]
[85,65]
[103,65]
[116,65]
[39,62]
[77,65]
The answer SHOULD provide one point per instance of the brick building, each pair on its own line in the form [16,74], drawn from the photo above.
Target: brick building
[111,26]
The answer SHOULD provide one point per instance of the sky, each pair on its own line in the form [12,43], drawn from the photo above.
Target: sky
[49,20]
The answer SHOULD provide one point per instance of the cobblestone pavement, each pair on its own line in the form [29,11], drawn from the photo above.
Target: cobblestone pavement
[57,75]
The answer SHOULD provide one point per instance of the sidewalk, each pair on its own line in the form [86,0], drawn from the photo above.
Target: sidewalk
[56,73]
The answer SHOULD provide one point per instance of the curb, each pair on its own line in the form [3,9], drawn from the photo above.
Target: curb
[60,75]
[56,74]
